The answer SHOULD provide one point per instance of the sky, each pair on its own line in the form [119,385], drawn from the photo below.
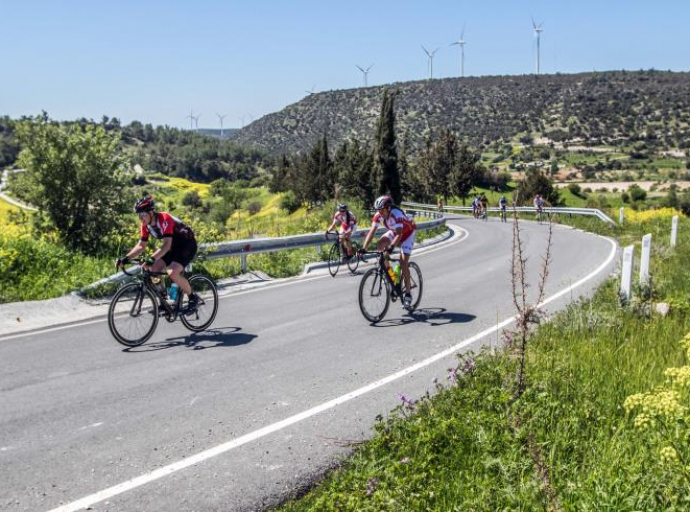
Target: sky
[156,61]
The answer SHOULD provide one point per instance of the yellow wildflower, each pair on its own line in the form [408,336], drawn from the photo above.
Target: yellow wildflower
[643,421]
[669,455]
[638,217]
[679,377]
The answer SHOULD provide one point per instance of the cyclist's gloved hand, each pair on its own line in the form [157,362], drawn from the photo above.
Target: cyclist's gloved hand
[361,251]
[388,250]
[148,262]
[121,262]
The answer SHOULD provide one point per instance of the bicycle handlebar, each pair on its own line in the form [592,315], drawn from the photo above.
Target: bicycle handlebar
[139,261]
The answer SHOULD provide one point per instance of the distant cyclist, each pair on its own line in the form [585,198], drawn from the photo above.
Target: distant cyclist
[539,205]
[484,205]
[503,204]
[348,225]
[176,251]
[476,205]
[401,232]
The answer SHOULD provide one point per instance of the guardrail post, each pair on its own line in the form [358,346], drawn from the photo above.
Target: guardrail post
[243,263]
[626,274]
[621,215]
[644,259]
[674,230]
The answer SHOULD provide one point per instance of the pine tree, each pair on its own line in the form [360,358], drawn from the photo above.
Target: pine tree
[386,176]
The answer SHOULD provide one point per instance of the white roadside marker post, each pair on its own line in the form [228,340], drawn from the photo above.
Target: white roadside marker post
[644,259]
[627,273]
[621,215]
[674,230]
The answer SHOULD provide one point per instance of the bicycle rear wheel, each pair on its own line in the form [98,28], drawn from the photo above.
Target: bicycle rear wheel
[374,295]
[207,307]
[334,259]
[417,285]
[133,315]
[353,262]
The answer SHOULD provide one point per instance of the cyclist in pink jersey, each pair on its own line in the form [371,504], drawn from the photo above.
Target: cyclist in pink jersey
[348,225]
[401,232]
[176,251]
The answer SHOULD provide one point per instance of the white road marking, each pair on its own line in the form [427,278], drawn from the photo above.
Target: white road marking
[93,425]
[220,296]
[269,429]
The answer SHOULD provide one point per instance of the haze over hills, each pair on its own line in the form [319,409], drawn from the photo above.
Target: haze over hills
[616,107]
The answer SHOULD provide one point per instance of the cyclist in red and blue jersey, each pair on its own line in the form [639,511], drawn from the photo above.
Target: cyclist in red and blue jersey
[401,232]
[176,251]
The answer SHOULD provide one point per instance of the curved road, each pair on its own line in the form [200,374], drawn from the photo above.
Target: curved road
[234,418]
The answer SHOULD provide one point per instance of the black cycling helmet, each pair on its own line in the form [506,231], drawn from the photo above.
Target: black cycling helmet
[382,202]
[342,207]
[145,204]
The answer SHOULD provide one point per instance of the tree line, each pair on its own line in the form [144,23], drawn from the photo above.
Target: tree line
[445,167]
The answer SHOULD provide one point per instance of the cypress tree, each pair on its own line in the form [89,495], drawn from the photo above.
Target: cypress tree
[387,178]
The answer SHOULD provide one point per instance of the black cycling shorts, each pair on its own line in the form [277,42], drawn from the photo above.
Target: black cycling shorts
[182,254]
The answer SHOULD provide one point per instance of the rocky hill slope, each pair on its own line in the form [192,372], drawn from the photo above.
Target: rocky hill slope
[617,107]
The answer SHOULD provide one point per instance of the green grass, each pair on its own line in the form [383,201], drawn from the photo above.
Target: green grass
[470,447]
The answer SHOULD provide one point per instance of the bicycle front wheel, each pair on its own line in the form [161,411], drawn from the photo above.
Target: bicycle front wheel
[374,295]
[353,262]
[416,284]
[133,315]
[207,307]
[334,259]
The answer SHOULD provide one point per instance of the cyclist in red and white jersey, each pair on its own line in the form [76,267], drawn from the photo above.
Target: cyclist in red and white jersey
[348,225]
[176,251]
[401,232]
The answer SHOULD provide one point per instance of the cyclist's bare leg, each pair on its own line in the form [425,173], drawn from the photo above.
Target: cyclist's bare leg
[347,243]
[176,273]
[384,243]
[405,267]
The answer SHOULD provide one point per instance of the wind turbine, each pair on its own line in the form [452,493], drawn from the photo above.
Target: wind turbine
[461,43]
[191,120]
[310,91]
[196,122]
[220,118]
[537,32]
[431,61]
[365,72]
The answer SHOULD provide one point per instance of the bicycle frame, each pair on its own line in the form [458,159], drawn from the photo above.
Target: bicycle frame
[396,289]
[170,312]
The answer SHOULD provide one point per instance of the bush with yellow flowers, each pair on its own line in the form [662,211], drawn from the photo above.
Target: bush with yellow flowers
[662,417]
[640,217]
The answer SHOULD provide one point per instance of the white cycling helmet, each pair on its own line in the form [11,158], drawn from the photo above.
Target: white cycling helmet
[382,202]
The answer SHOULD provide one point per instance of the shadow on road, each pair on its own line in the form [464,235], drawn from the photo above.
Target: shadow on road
[218,337]
[435,317]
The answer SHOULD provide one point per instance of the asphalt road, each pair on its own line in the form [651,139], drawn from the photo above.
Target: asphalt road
[234,418]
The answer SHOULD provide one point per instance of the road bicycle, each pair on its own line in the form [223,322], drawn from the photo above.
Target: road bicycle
[338,254]
[136,307]
[377,289]
[504,216]
[484,213]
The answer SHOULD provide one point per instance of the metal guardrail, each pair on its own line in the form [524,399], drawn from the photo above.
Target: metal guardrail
[594,212]
[243,248]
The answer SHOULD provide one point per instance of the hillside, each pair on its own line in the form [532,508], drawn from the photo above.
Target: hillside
[617,107]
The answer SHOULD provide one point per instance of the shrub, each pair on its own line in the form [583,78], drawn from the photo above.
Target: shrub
[637,193]
[192,199]
[289,202]
[575,190]
[220,212]
[254,207]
